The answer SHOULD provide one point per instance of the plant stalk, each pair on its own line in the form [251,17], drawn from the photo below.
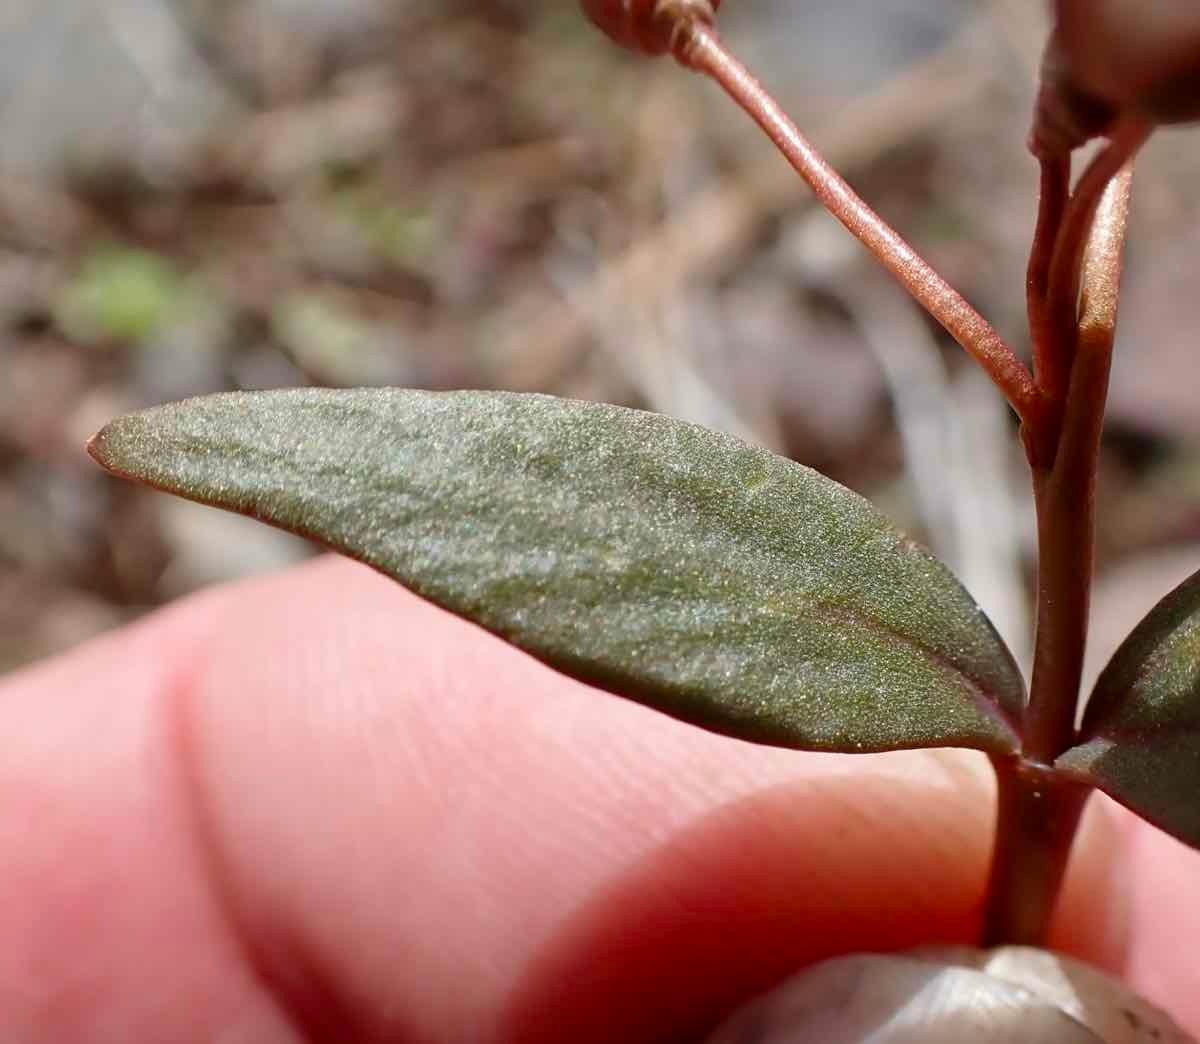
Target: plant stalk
[1065,273]
[1038,814]
[1036,819]
[1054,193]
[698,47]
[1065,491]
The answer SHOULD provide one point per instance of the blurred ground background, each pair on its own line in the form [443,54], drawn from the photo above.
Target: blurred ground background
[198,195]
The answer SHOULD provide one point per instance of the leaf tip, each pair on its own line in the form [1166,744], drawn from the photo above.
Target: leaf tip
[99,447]
[111,445]
[96,447]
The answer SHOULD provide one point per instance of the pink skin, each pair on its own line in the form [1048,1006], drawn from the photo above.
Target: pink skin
[311,807]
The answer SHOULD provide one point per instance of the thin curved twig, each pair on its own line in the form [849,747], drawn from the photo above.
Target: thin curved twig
[702,50]
[1062,298]
[1052,209]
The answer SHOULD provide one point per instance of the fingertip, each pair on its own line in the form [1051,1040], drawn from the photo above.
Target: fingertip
[413,825]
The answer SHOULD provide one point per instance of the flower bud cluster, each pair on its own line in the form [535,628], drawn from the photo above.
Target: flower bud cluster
[648,26]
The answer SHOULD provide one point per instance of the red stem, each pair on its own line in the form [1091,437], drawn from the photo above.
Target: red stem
[1052,208]
[1037,815]
[1064,493]
[1064,496]
[698,47]
[1062,297]
[1038,812]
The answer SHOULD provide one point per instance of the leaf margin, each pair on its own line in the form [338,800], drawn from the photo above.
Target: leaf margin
[1003,715]
[1125,749]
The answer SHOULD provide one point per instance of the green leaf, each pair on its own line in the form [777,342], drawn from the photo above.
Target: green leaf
[1140,740]
[664,562]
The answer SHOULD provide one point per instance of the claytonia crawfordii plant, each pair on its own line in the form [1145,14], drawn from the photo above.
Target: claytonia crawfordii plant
[744,593]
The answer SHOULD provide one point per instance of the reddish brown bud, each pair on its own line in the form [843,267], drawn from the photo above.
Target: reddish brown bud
[1066,115]
[1114,58]
[647,26]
